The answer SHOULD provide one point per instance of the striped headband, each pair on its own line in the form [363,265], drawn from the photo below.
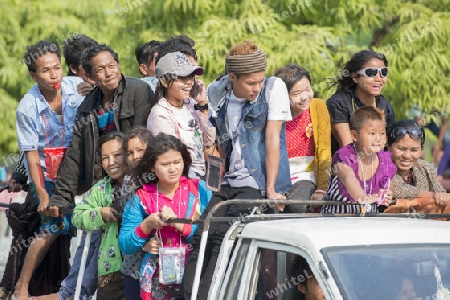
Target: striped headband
[246,63]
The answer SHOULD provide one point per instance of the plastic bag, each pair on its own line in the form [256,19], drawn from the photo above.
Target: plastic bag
[214,172]
[53,160]
[171,265]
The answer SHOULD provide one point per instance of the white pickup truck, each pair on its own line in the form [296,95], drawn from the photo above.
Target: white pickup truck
[351,258]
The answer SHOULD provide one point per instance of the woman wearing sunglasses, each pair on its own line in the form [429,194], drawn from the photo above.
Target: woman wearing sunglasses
[360,84]
[415,177]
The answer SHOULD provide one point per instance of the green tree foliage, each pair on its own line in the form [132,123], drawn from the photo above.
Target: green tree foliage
[319,35]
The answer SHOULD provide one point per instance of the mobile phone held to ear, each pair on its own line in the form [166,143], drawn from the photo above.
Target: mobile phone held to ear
[196,88]
[214,172]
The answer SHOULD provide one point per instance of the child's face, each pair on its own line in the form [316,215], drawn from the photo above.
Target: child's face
[169,167]
[113,159]
[371,138]
[371,85]
[136,149]
[300,95]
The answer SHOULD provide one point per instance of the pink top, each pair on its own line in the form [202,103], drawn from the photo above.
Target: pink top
[179,204]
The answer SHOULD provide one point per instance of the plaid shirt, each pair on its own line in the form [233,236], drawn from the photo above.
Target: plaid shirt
[424,179]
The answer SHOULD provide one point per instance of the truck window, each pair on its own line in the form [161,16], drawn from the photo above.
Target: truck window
[235,273]
[285,276]
[418,271]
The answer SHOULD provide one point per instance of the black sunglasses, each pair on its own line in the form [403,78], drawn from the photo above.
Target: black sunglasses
[372,72]
[414,133]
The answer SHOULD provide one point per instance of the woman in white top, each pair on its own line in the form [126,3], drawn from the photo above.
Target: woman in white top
[176,113]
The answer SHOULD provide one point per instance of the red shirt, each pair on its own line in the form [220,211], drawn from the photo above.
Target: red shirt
[299,136]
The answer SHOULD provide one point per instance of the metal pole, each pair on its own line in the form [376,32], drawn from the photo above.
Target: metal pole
[87,243]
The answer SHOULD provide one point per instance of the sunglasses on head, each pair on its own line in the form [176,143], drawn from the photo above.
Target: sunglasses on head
[372,72]
[414,133]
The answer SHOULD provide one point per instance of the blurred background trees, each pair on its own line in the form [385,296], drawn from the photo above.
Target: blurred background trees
[319,35]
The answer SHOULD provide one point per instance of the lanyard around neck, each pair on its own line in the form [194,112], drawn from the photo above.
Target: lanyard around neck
[353,103]
[62,121]
[158,232]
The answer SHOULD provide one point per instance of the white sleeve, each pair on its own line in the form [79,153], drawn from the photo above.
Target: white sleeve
[278,101]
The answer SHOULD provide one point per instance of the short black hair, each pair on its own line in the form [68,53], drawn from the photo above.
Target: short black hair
[36,51]
[92,52]
[140,132]
[407,125]
[291,74]
[363,114]
[181,43]
[146,52]
[73,50]
[300,267]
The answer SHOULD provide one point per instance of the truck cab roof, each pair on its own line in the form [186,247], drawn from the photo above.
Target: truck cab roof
[325,232]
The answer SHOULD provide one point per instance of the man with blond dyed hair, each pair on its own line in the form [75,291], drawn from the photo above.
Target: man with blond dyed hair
[249,112]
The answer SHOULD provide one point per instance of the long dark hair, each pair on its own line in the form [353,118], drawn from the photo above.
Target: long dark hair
[159,145]
[345,80]
[161,91]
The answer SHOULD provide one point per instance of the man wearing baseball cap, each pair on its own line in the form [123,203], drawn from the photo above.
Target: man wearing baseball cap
[177,113]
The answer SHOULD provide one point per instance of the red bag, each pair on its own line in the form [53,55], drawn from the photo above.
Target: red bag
[53,159]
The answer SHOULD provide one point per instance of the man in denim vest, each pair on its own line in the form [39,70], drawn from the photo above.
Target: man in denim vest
[249,112]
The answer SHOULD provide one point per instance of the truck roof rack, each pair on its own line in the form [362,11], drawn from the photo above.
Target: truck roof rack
[259,217]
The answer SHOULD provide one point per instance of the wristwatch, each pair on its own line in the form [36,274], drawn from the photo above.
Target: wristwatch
[201,107]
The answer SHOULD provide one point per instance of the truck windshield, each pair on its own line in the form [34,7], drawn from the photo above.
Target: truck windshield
[391,271]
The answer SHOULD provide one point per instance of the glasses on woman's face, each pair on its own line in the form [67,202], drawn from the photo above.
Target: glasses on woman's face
[372,72]
[400,132]
[186,79]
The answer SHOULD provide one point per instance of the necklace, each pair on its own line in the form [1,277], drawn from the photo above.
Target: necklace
[356,106]
[364,175]
[178,106]
[410,178]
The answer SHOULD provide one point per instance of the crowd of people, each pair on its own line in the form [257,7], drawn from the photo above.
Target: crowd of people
[138,150]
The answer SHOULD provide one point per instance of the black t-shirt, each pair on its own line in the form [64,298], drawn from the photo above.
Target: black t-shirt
[342,104]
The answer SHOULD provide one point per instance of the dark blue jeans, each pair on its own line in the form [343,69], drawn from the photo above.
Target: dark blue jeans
[89,281]
[131,288]
[216,233]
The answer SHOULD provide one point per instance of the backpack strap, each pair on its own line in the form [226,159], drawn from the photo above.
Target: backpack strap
[193,188]
[143,197]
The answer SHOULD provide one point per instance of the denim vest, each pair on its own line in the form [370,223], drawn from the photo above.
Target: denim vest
[251,132]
